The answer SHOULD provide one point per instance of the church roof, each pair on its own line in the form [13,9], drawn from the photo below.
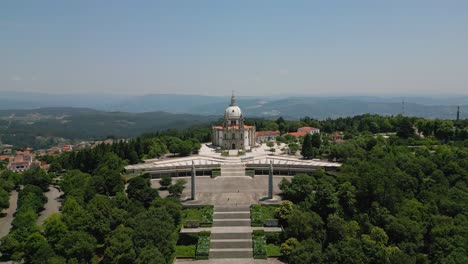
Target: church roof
[267,133]
[231,127]
[297,134]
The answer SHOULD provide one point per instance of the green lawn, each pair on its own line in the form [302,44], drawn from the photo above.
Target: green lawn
[185,251]
[204,215]
[273,250]
[260,213]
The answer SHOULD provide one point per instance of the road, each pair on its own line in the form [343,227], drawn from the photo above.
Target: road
[5,221]
[52,206]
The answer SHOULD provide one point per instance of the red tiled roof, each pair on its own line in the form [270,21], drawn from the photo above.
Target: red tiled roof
[337,134]
[4,157]
[307,128]
[297,134]
[267,133]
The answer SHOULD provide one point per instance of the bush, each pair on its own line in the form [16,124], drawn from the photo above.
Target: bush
[206,216]
[203,246]
[259,247]
[273,238]
[192,224]
[215,173]
[259,232]
[186,239]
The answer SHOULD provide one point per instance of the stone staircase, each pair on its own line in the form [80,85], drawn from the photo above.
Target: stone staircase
[233,170]
[231,234]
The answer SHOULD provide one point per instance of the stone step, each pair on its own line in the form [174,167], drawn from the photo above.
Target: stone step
[217,236]
[233,173]
[232,168]
[231,222]
[231,215]
[232,164]
[218,209]
[231,243]
[231,253]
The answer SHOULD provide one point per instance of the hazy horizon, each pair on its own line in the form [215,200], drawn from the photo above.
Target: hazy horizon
[256,48]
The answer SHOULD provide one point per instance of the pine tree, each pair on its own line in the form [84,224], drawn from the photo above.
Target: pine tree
[307,149]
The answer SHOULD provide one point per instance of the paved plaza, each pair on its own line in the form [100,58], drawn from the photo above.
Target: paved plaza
[242,190]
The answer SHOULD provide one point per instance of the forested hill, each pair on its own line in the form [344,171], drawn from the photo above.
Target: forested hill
[24,127]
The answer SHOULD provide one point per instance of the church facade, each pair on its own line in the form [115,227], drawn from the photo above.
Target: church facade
[233,134]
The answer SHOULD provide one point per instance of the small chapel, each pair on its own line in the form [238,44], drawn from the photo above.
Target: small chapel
[233,134]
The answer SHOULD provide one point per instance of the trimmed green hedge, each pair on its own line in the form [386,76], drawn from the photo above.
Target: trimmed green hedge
[203,246]
[259,247]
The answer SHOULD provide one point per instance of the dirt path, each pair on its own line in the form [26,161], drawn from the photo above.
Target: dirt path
[52,206]
[5,222]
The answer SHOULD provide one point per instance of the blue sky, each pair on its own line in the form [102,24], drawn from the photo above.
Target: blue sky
[253,47]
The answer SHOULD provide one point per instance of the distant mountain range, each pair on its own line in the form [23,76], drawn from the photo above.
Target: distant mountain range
[268,106]
[40,127]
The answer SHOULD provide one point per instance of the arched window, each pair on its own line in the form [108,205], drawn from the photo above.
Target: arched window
[233,136]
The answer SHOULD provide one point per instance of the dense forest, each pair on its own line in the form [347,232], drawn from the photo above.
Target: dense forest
[401,199]
[389,204]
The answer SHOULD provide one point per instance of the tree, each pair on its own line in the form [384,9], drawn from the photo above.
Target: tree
[140,190]
[38,177]
[4,199]
[293,148]
[282,212]
[177,188]
[307,149]
[316,141]
[155,228]
[305,224]
[77,244]
[37,250]
[55,228]
[347,198]
[405,129]
[165,182]
[299,187]
[308,251]
[288,246]
[150,255]
[323,200]
[119,246]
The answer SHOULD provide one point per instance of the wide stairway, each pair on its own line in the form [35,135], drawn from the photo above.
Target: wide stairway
[232,170]
[231,234]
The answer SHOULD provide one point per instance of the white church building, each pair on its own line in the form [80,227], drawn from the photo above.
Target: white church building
[233,134]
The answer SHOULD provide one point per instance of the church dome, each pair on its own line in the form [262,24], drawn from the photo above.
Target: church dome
[233,111]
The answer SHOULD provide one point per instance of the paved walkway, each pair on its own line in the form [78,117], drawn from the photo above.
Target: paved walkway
[5,221]
[52,206]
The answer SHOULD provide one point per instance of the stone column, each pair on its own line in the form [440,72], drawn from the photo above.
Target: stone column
[194,173]
[270,181]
